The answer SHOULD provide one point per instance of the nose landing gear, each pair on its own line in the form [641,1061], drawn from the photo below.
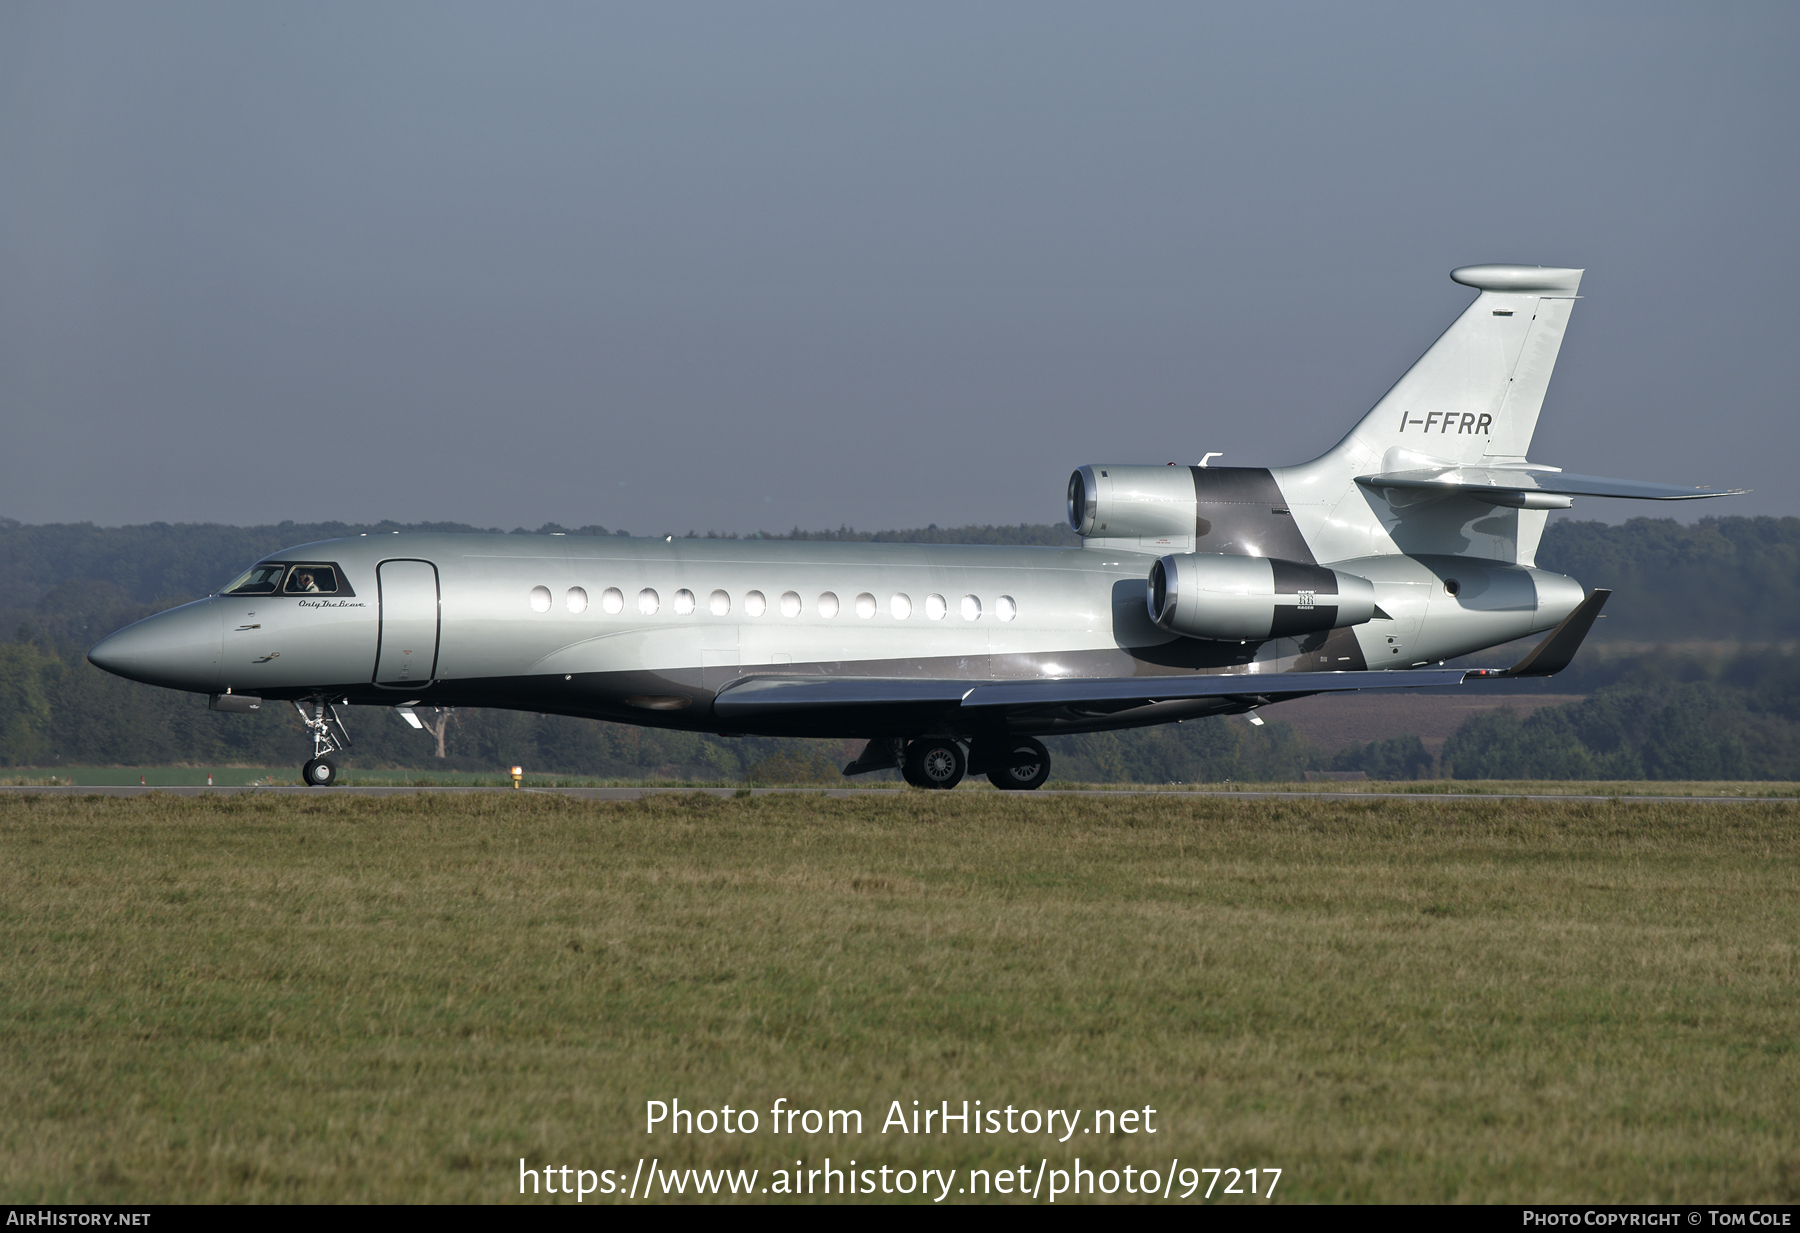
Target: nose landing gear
[329,736]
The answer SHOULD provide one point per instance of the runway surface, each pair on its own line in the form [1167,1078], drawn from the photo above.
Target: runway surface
[632,794]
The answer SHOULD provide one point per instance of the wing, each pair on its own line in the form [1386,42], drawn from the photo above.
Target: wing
[933,700]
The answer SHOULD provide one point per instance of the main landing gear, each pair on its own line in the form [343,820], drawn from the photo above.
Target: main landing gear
[1012,764]
[1025,765]
[329,736]
[934,762]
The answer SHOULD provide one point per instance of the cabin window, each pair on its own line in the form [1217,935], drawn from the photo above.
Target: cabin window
[612,601]
[790,604]
[1006,608]
[721,603]
[540,599]
[901,607]
[971,608]
[649,601]
[754,604]
[935,607]
[828,605]
[312,580]
[865,605]
[257,580]
[684,602]
[576,599]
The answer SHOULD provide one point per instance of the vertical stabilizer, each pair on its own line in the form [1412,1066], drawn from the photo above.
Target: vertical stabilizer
[1471,400]
[1476,394]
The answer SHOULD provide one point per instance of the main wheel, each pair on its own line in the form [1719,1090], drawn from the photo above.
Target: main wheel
[1023,778]
[935,762]
[319,773]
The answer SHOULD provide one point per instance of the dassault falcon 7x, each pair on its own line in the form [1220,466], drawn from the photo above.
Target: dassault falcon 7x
[1199,590]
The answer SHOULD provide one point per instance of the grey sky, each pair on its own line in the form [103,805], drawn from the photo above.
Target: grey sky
[740,266]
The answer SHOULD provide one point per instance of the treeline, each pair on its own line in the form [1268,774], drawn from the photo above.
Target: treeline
[1664,716]
[1668,717]
[1719,579]
[1650,715]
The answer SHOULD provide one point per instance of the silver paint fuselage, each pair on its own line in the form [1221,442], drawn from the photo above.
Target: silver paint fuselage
[1076,612]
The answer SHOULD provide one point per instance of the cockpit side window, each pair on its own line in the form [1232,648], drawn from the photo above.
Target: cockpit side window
[262,579]
[312,580]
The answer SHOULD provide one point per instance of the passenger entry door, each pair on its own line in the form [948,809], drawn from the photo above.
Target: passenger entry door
[406,654]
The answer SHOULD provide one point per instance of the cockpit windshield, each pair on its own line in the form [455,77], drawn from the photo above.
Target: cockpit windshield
[257,580]
[302,579]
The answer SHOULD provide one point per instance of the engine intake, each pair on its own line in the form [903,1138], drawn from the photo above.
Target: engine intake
[1236,598]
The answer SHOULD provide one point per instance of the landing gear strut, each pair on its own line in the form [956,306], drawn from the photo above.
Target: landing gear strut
[329,736]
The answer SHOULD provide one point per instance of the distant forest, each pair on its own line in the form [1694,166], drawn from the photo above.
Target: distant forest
[1705,712]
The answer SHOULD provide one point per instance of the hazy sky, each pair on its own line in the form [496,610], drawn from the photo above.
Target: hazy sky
[733,266]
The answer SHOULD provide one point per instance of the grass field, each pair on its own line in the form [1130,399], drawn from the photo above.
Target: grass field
[243,776]
[346,998]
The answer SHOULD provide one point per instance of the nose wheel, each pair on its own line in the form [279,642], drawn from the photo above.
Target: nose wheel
[329,736]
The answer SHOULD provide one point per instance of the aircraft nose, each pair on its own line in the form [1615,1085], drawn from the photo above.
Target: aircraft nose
[177,649]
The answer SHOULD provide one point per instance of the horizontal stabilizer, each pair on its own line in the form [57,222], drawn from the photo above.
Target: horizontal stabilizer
[1503,483]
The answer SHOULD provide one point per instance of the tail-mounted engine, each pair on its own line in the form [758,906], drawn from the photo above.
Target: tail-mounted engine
[1124,501]
[1238,598]
[1237,510]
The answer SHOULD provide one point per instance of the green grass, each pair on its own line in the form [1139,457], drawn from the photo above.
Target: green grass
[335,997]
[240,776]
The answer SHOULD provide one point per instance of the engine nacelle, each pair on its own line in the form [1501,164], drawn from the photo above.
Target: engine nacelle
[1122,502]
[1233,598]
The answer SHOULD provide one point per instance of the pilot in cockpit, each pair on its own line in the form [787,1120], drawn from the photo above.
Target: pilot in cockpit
[303,581]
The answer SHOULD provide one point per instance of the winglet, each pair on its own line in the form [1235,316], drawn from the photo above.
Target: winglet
[1557,650]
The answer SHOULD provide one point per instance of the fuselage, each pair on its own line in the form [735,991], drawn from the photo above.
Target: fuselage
[648,631]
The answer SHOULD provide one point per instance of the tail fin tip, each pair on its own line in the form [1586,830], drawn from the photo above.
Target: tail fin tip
[1520,279]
